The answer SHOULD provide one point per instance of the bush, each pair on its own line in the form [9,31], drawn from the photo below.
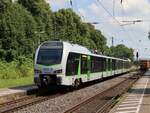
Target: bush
[16,69]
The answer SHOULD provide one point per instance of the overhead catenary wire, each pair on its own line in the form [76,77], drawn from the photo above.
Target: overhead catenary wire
[131,32]
[108,12]
[131,22]
[114,1]
[117,21]
[75,7]
[108,35]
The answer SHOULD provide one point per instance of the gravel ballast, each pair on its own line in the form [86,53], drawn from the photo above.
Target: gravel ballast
[66,101]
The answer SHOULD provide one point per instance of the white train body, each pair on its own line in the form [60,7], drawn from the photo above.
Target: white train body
[63,63]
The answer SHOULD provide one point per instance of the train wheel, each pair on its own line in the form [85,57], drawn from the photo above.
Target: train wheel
[81,83]
[77,83]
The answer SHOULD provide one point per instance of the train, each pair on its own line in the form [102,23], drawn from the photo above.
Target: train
[67,64]
[144,64]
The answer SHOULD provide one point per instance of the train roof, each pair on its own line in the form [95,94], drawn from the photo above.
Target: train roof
[144,59]
[81,49]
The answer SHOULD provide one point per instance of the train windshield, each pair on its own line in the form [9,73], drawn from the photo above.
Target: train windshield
[50,54]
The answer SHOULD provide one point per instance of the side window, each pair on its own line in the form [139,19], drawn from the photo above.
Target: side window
[72,64]
[117,64]
[120,65]
[96,64]
[84,64]
[113,64]
[109,65]
[104,64]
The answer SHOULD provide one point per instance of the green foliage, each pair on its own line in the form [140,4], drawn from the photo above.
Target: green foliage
[42,14]
[5,83]
[16,69]
[17,31]
[68,26]
[121,51]
[26,23]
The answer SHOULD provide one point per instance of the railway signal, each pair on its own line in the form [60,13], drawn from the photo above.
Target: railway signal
[71,2]
[137,55]
[121,1]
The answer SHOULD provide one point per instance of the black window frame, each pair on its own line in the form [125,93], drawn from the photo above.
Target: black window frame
[84,64]
[96,64]
[72,64]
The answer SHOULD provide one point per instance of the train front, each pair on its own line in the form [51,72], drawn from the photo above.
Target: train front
[48,63]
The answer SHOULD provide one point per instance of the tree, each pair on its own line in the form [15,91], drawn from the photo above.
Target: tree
[121,51]
[25,23]
[68,26]
[41,12]
[17,31]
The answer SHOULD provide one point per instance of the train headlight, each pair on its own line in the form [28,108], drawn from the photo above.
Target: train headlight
[58,71]
[37,71]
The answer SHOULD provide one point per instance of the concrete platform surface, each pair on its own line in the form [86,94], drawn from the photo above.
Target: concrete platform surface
[17,90]
[137,99]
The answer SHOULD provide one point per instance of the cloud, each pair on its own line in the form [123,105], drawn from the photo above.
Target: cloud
[82,12]
[130,10]
[57,3]
[137,6]
[95,9]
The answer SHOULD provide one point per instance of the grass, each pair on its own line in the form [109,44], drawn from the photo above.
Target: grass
[16,73]
[6,83]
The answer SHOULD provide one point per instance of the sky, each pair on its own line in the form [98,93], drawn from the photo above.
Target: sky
[115,20]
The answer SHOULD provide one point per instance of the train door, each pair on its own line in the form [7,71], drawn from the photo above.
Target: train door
[104,68]
[73,63]
[85,66]
[113,66]
[109,67]
[107,64]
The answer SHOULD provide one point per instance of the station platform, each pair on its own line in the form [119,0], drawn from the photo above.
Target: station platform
[12,93]
[137,99]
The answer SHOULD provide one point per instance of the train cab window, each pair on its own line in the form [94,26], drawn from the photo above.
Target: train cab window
[84,64]
[72,64]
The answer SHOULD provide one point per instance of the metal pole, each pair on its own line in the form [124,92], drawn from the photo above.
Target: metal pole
[112,41]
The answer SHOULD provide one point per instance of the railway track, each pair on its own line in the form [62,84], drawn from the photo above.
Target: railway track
[24,102]
[98,103]
[104,101]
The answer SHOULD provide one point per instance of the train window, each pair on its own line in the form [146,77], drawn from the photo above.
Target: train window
[119,64]
[49,56]
[72,64]
[117,67]
[84,64]
[104,64]
[50,53]
[113,64]
[96,64]
[124,64]
[109,65]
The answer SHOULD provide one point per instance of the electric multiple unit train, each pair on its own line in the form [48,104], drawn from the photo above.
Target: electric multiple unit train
[64,63]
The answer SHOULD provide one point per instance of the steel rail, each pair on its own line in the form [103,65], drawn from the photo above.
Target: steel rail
[24,102]
[106,104]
